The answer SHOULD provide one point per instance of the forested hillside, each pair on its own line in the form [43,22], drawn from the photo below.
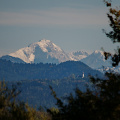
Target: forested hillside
[37,92]
[21,71]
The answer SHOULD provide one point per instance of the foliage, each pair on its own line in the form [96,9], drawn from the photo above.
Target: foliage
[43,115]
[114,34]
[11,109]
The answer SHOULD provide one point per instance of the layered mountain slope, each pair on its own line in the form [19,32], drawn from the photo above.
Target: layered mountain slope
[43,51]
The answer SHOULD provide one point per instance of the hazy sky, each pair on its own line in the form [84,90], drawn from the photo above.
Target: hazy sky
[71,24]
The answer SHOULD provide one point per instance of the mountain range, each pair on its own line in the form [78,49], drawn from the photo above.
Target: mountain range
[44,51]
[42,64]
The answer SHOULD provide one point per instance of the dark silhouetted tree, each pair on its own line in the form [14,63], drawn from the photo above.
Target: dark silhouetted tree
[114,23]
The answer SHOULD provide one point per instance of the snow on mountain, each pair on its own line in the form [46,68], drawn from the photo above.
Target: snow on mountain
[47,52]
[109,69]
[76,56]
[96,60]
[43,51]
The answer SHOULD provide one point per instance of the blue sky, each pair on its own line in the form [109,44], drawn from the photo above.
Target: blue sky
[71,24]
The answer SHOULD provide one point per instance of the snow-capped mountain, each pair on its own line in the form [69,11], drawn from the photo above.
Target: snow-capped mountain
[96,60]
[47,52]
[43,51]
[77,56]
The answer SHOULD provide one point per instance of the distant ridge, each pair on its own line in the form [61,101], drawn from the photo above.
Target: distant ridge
[12,59]
[18,71]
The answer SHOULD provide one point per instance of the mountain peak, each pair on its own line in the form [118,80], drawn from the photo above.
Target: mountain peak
[96,60]
[98,52]
[44,40]
[42,51]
